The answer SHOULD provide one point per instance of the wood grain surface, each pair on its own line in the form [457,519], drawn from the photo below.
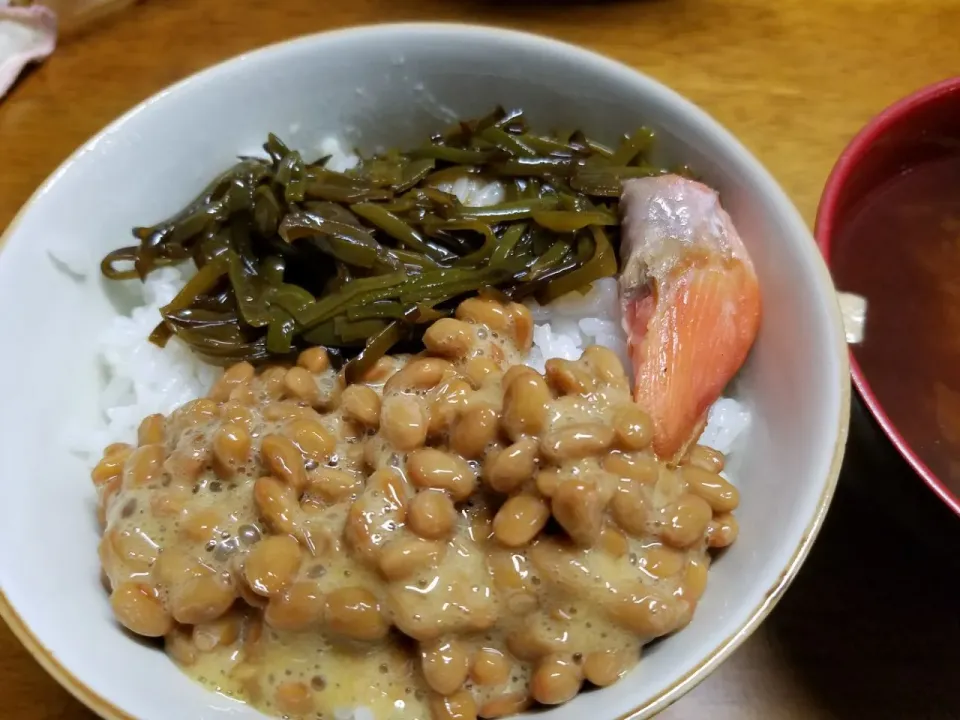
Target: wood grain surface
[871,627]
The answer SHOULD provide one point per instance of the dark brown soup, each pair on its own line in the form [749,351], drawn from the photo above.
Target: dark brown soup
[900,249]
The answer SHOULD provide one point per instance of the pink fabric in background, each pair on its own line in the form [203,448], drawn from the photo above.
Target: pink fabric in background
[27,34]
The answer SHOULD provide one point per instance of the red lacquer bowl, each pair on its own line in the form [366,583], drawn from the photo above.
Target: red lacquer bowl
[920,128]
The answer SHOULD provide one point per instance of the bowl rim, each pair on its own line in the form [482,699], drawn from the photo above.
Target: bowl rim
[825,230]
[710,660]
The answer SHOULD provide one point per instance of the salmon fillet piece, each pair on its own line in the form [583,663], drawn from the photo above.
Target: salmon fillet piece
[691,303]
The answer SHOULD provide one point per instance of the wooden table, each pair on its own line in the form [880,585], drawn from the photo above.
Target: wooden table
[869,629]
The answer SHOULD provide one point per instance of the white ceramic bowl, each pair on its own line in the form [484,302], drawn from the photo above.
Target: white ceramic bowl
[383,85]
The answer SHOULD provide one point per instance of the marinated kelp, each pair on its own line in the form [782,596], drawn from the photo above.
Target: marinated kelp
[291,254]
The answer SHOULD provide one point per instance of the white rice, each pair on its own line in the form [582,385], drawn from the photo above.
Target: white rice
[570,324]
[142,379]
[340,158]
[474,192]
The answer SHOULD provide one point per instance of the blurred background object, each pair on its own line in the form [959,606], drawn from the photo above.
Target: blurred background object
[29,30]
[27,34]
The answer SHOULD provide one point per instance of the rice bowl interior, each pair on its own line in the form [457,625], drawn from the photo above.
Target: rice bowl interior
[797,399]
